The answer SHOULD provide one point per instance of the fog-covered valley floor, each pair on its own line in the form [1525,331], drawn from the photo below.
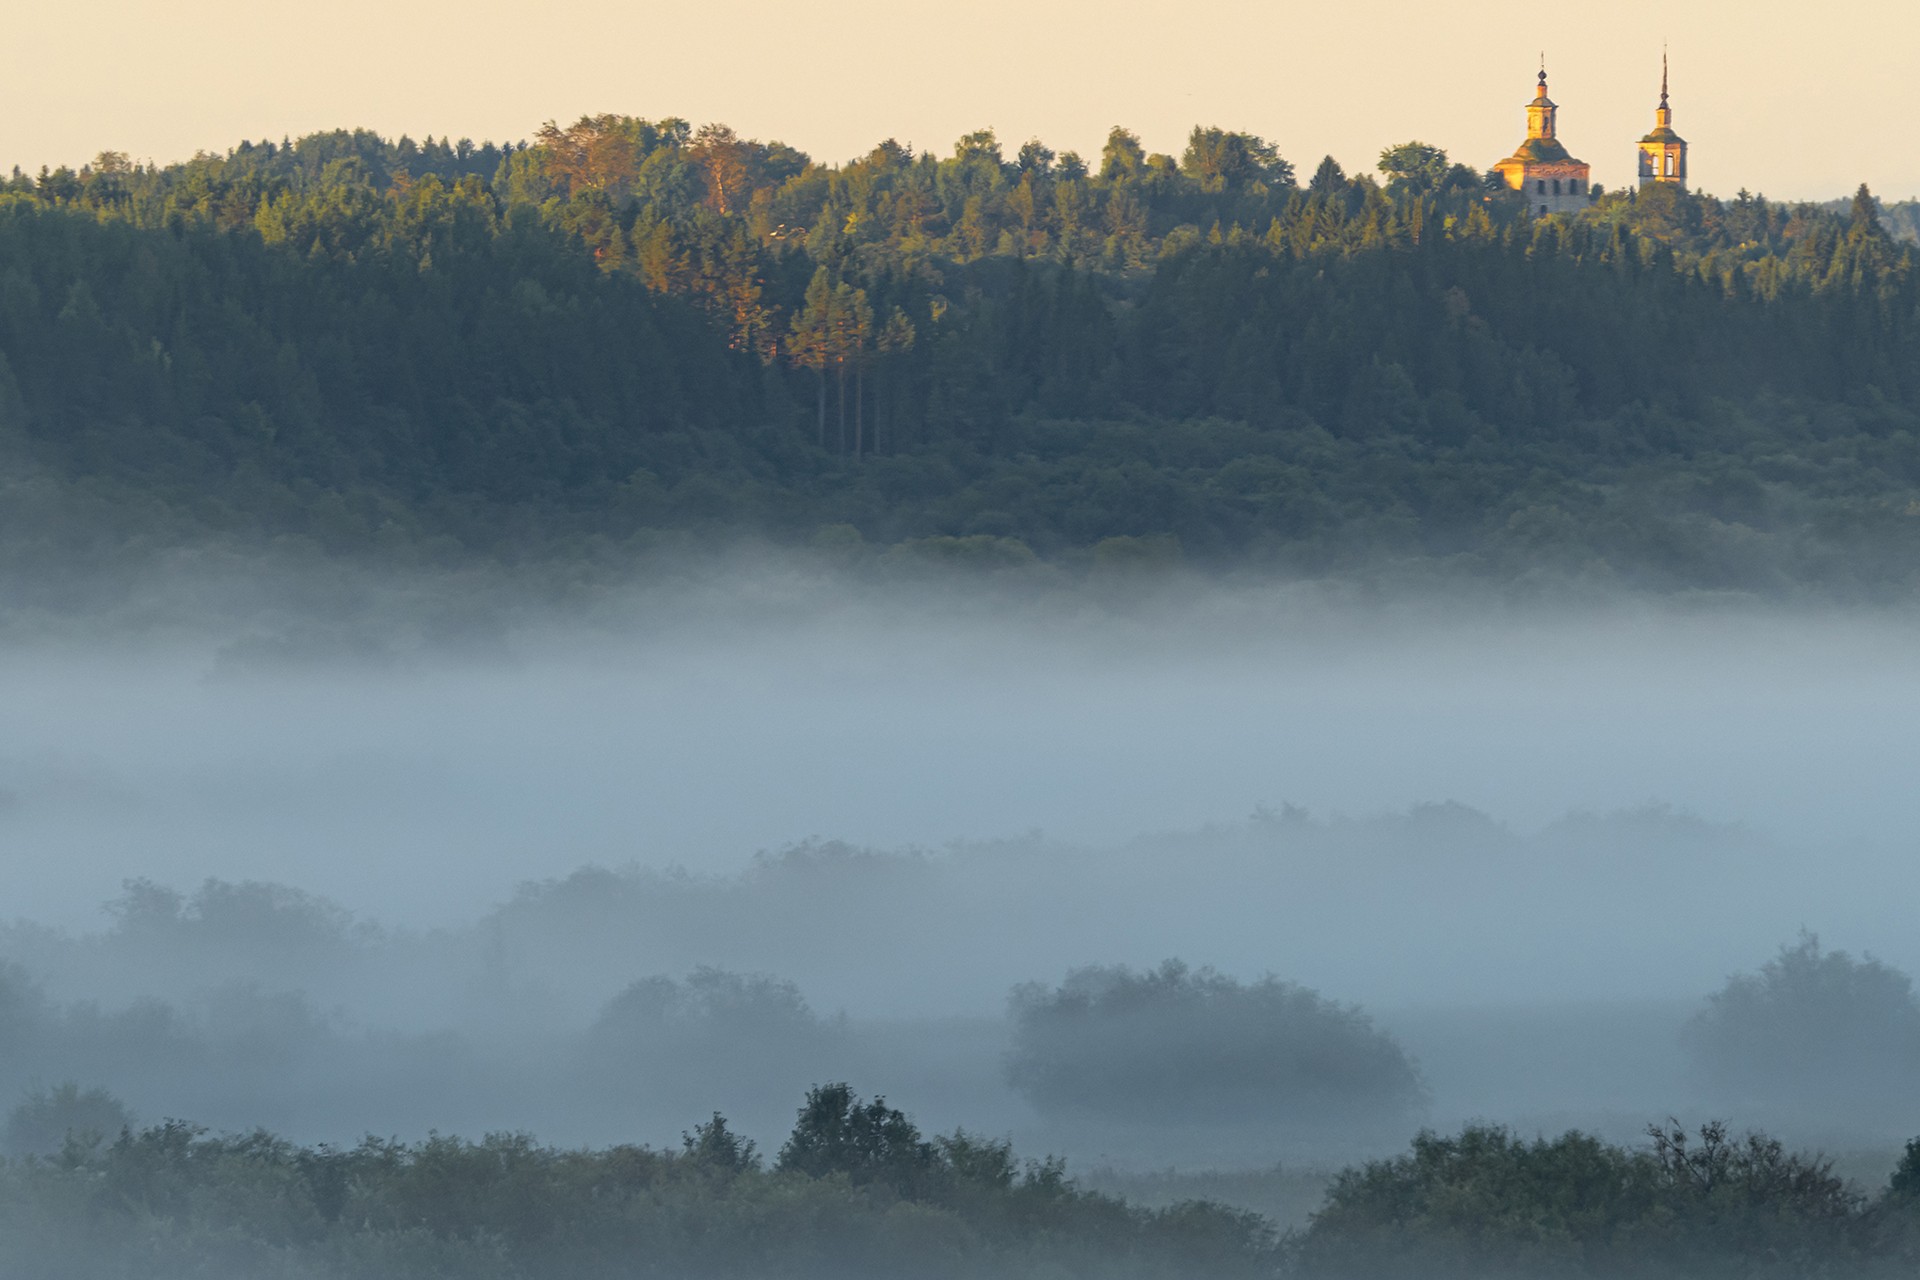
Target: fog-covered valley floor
[596,871]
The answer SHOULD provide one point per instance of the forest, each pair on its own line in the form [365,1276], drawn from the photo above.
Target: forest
[857,1190]
[626,332]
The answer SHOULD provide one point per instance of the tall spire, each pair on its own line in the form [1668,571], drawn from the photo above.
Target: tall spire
[1663,153]
[1663,114]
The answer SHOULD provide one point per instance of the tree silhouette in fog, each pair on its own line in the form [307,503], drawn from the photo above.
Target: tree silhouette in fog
[48,1121]
[1813,1028]
[867,1142]
[1175,1044]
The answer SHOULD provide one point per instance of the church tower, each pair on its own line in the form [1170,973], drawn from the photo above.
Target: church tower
[1542,171]
[1663,153]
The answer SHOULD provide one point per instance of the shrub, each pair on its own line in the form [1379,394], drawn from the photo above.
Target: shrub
[48,1120]
[1486,1203]
[669,1045]
[1813,1028]
[1175,1044]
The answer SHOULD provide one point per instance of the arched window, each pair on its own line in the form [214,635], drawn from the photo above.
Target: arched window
[1574,186]
[1556,186]
[1540,186]
[1669,164]
[1543,211]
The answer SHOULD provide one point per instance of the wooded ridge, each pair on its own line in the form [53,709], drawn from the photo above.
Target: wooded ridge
[630,326]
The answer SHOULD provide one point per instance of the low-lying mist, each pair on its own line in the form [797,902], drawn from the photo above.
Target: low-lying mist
[337,862]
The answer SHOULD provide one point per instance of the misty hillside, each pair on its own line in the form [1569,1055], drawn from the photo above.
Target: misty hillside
[628,332]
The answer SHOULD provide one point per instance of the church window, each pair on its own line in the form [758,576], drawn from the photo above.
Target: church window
[1540,186]
[1556,186]
[1669,164]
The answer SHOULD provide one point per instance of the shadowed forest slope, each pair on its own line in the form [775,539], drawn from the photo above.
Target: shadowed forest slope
[629,327]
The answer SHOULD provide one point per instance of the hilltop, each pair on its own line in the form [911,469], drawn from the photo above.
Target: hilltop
[627,330]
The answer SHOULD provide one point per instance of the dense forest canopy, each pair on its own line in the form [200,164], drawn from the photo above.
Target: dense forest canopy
[629,326]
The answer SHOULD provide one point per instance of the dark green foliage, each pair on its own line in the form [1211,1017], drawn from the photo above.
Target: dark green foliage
[1905,1183]
[871,1144]
[1179,1045]
[424,349]
[1486,1203]
[172,1201]
[1897,1217]
[714,1146]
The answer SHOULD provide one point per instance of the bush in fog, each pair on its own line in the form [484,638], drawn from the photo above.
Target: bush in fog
[47,1121]
[1486,1203]
[709,1003]
[1175,1044]
[713,1033]
[222,918]
[710,1011]
[1812,1029]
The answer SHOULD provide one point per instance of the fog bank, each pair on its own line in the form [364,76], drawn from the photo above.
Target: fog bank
[598,870]
[671,730]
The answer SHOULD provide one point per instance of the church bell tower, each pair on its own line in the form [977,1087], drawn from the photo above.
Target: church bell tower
[1542,171]
[1663,153]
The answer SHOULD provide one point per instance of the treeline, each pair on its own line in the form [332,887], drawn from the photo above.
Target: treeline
[857,1190]
[633,325]
[1488,1203]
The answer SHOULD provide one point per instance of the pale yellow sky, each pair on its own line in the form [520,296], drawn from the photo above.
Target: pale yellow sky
[1792,100]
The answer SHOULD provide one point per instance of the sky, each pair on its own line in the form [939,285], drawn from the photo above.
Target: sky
[1773,98]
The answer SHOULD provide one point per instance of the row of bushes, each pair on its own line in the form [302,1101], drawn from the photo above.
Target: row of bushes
[857,1190]
[1487,1203]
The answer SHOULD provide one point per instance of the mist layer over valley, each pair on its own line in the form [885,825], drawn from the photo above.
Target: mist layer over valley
[597,872]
